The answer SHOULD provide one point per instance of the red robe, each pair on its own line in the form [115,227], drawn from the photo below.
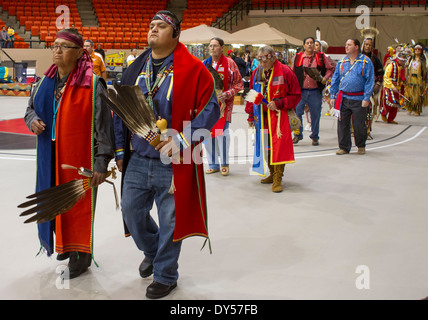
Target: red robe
[192,90]
[193,87]
[75,131]
[74,145]
[284,89]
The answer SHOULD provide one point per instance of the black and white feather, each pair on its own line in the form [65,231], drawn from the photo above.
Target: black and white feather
[130,105]
[49,203]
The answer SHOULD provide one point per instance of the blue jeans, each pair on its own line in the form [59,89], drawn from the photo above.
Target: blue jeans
[218,147]
[313,98]
[147,181]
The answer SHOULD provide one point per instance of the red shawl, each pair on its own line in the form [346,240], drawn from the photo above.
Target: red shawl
[74,132]
[192,90]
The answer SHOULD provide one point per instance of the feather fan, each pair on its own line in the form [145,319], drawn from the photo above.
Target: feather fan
[254,97]
[217,78]
[251,95]
[49,203]
[131,106]
[218,85]
[313,73]
[54,201]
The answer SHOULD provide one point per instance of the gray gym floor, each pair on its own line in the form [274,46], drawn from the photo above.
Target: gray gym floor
[345,227]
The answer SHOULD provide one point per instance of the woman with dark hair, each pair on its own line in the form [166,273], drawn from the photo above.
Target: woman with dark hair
[417,80]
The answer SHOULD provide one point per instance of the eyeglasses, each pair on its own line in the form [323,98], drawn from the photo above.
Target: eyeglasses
[63,48]
[265,57]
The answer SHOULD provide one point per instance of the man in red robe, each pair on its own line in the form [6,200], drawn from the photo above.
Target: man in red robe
[181,91]
[281,89]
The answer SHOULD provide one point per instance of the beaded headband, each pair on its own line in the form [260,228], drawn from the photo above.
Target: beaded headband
[167,19]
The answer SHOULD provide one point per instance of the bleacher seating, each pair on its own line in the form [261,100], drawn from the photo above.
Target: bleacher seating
[40,17]
[204,12]
[123,23]
[19,41]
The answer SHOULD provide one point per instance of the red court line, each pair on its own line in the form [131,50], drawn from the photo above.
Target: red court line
[14,126]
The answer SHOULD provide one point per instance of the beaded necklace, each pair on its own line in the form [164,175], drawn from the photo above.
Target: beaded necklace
[160,78]
[56,104]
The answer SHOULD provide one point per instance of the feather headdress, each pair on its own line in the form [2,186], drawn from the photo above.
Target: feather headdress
[318,34]
[369,33]
[130,105]
[54,201]
[324,44]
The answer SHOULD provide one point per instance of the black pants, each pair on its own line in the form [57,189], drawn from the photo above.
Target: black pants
[352,109]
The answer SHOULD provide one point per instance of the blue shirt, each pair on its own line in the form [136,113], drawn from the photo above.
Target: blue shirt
[358,77]
[162,102]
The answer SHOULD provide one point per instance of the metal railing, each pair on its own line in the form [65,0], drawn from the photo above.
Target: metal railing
[403,4]
[287,5]
[233,16]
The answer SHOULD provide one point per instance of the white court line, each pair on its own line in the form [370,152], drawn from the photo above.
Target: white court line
[369,149]
[401,142]
[19,159]
[297,157]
